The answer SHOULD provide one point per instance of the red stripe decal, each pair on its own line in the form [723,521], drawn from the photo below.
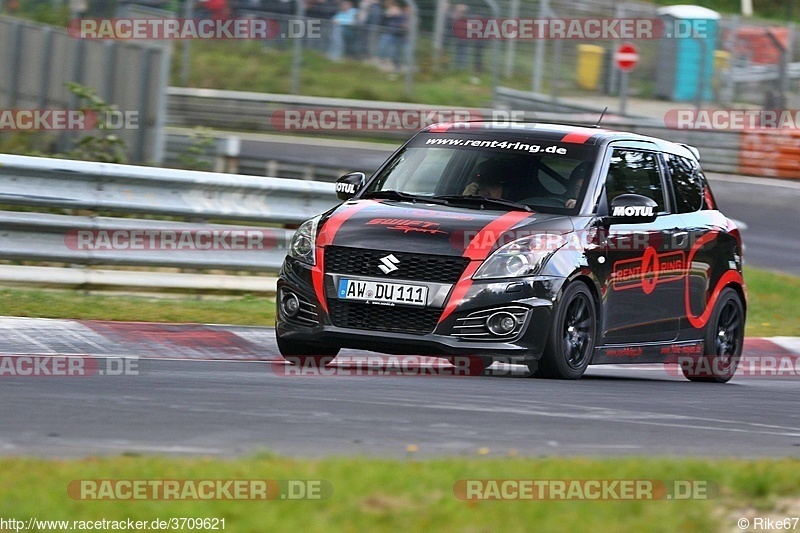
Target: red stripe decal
[324,238]
[578,136]
[731,276]
[477,251]
[440,128]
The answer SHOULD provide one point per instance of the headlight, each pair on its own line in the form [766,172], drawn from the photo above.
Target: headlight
[304,242]
[522,257]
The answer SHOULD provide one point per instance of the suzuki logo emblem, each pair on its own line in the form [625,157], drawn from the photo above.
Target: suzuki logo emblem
[389,264]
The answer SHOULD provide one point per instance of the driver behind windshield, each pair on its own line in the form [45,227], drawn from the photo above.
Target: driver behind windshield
[488,179]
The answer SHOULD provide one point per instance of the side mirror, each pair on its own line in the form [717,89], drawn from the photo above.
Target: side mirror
[632,209]
[348,185]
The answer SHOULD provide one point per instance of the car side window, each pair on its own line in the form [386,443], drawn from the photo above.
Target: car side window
[708,199]
[686,182]
[634,172]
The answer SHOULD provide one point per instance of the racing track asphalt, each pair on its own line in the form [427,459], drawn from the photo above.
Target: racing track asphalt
[224,408]
[232,407]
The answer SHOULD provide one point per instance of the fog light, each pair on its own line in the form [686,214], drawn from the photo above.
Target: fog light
[501,323]
[290,305]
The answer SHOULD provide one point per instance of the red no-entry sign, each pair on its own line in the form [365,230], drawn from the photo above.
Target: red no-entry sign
[626,57]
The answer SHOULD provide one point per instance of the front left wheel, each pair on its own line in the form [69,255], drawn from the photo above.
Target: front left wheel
[572,335]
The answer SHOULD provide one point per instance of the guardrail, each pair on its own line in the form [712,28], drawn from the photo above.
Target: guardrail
[279,155]
[60,183]
[189,224]
[720,151]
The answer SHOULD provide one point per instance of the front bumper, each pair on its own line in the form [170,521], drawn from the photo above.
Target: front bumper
[531,300]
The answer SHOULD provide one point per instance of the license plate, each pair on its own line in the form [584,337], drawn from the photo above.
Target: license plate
[378,291]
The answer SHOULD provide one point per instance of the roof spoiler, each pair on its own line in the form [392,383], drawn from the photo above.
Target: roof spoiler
[695,151]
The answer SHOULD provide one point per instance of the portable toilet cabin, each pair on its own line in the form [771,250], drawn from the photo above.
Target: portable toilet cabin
[686,53]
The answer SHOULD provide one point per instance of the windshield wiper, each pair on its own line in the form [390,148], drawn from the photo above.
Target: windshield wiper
[483,200]
[391,194]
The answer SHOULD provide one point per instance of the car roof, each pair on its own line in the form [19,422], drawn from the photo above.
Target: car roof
[553,132]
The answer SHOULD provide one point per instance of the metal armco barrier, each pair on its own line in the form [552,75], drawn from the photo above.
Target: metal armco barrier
[93,241]
[109,241]
[59,183]
[720,151]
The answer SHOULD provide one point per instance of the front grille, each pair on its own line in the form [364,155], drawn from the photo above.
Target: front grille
[383,317]
[412,267]
[473,326]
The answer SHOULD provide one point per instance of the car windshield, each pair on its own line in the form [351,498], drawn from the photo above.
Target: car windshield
[521,172]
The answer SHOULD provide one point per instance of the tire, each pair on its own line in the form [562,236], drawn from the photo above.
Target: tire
[570,344]
[724,338]
[306,355]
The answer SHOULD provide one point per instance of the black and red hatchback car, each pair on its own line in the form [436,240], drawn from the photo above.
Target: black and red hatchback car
[552,246]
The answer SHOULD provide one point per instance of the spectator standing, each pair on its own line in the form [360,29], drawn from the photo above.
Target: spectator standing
[343,31]
[370,15]
[460,46]
[78,8]
[395,22]
[216,9]
[322,10]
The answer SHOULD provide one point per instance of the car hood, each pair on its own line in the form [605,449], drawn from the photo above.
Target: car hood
[430,228]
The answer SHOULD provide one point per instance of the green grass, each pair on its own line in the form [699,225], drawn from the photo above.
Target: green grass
[772,306]
[387,495]
[243,310]
[252,67]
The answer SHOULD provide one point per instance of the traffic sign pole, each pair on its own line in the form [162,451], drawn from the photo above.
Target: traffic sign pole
[623,93]
[626,58]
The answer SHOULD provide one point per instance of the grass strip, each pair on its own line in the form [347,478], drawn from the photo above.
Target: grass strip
[390,495]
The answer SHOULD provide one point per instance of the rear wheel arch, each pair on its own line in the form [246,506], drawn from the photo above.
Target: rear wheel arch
[741,292]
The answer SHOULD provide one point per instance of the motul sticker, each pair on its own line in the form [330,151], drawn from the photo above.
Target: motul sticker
[347,188]
[632,211]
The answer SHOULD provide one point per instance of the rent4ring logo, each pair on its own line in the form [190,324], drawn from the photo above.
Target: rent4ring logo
[649,270]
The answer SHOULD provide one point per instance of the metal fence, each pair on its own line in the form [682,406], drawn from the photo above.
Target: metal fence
[38,60]
[752,59]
